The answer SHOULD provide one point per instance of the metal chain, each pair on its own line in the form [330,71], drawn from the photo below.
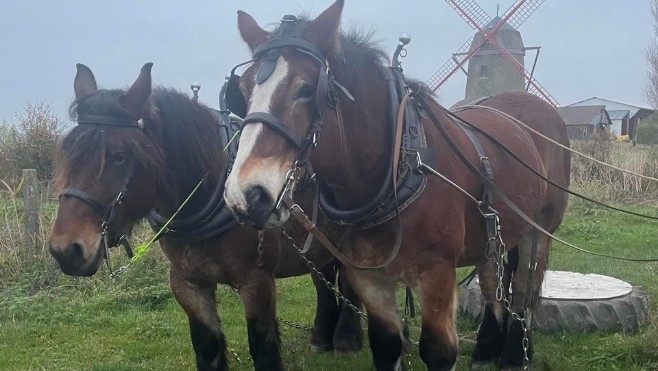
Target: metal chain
[340,296]
[501,295]
[260,248]
[294,325]
[121,270]
[321,276]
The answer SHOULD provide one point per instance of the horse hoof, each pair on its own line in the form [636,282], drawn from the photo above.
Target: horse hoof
[322,348]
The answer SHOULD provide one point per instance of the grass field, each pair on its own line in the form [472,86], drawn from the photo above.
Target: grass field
[52,322]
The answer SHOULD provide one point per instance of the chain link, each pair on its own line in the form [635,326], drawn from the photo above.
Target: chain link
[119,271]
[260,248]
[321,276]
[294,325]
[501,295]
[340,297]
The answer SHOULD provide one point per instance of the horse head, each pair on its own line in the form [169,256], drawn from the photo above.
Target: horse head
[284,94]
[105,166]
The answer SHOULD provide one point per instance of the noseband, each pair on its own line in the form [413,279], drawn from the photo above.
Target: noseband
[107,212]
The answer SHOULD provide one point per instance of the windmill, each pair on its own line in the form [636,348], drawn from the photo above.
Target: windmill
[496,39]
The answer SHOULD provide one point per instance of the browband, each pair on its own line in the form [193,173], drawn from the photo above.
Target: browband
[107,120]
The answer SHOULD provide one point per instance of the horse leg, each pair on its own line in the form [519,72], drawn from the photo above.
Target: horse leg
[326,312]
[524,300]
[198,301]
[491,333]
[348,336]
[258,295]
[439,341]
[377,291]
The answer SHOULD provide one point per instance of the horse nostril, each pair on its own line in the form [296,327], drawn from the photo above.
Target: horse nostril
[76,251]
[257,197]
[71,259]
[260,205]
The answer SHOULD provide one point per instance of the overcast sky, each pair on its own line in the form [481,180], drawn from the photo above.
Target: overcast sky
[589,47]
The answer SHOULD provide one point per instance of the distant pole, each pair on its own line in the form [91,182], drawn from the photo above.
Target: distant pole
[195,86]
[31,212]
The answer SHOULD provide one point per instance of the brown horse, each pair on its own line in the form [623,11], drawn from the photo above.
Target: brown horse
[305,66]
[137,150]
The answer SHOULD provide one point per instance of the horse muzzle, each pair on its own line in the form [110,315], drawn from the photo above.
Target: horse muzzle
[258,210]
[72,259]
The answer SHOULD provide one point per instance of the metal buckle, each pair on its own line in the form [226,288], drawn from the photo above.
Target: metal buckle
[291,181]
[297,208]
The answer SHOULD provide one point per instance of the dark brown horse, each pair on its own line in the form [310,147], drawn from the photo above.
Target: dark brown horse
[304,66]
[137,150]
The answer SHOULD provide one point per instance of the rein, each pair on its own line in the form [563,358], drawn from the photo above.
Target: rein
[551,182]
[500,194]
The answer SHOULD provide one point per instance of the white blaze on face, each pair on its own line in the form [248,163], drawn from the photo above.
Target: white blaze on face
[269,174]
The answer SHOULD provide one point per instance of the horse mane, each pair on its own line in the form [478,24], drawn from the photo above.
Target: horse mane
[173,127]
[190,137]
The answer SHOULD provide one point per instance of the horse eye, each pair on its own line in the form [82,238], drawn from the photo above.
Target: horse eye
[305,91]
[118,158]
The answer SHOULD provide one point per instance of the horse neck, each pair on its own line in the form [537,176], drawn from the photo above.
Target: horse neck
[188,161]
[352,155]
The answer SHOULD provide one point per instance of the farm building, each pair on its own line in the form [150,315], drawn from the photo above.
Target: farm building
[584,122]
[624,117]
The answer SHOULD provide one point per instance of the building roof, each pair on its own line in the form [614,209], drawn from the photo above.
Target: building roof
[506,36]
[584,115]
[619,114]
[612,105]
[494,22]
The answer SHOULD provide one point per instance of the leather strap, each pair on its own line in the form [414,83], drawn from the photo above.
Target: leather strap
[299,215]
[274,123]
[293,42]
[84,197]
[503,197]
[107,120]
[397,147]
[314,215]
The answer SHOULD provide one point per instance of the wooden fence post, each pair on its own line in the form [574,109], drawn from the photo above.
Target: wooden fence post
[31,212]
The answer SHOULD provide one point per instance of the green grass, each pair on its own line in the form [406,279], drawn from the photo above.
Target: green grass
[52,322]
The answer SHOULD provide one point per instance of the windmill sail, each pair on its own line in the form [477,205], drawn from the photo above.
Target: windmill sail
[478,19]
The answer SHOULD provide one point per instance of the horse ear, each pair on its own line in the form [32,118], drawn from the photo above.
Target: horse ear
[323,30]
[135,98]
[250,31]
[84,83]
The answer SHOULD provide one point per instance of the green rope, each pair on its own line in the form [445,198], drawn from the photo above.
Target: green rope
[144,248]
[237,133]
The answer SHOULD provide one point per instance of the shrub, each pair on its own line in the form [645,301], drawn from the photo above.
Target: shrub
[29,143]
[607,184]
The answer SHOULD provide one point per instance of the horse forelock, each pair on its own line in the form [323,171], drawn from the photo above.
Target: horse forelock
[174,127]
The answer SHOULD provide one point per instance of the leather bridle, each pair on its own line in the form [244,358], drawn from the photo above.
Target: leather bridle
[108,212]
[325,95]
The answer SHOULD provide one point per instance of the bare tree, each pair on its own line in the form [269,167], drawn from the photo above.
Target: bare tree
[651,54]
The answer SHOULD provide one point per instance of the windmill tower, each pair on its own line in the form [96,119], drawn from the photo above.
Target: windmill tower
[495,54]
[488,72]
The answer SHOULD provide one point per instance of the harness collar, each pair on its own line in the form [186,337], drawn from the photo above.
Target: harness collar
[215,218]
